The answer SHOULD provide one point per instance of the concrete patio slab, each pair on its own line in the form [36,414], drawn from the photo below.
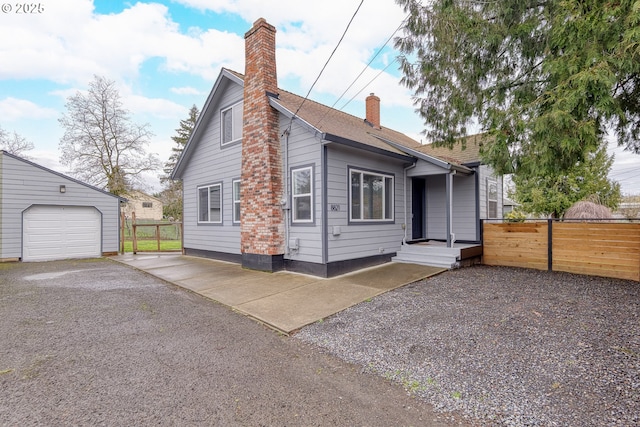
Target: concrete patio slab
[295,308]
[284,300]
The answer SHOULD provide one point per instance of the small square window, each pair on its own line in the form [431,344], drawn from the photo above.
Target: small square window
[147,204]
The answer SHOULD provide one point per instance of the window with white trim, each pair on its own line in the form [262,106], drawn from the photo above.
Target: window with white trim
[236,200]
[371,196]
[302,194]
[492,198]
[231,124]
[210,204]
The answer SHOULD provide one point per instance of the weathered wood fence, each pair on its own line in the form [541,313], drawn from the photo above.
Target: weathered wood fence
[157,234]
[598,248]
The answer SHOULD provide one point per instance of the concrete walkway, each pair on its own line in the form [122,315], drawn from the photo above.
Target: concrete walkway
[285,301]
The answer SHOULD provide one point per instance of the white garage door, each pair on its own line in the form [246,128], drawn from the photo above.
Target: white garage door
[59,232]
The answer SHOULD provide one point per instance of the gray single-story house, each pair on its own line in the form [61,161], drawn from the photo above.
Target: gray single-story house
[45,215]
[275,181]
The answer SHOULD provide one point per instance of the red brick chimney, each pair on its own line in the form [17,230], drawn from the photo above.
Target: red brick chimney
[262,219]
[373,110]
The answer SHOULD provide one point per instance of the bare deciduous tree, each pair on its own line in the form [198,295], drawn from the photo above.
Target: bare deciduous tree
[14,143]
[101,146]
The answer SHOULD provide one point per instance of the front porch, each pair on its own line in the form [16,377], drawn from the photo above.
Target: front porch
[437,254]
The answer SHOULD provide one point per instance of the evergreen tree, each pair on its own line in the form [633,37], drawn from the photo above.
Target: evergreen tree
[552,194]
[171,195]
[181,138]
[545,78]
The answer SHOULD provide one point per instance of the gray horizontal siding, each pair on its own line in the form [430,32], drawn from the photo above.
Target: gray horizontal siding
[209,164]
[424,168]
[361,240]
[25,185]
[305,150]
[464,207]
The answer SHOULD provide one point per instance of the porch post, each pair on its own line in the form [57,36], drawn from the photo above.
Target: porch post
[449,207]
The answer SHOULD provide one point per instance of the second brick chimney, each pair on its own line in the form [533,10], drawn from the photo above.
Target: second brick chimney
[262,220]
[373,110]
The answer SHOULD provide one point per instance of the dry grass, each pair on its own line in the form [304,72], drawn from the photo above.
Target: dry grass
[588,210]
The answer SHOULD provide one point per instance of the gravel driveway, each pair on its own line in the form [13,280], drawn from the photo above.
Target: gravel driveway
[99,343]
[503,346]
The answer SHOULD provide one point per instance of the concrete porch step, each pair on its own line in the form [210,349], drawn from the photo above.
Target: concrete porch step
[444,261]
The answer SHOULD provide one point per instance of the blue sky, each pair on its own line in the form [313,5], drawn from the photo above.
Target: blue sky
[165,55]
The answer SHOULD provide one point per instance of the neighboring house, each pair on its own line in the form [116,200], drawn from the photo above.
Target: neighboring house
[45,215]
[145,206]
[274,181]
[508,206]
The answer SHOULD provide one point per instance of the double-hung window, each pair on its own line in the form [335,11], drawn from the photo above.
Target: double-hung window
[371,196]
[236,201]
[302,194]
[231,123]
[210,204]
[492,198]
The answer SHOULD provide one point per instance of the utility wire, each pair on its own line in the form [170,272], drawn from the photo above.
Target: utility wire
[366,67]
[325,65]
[370,81]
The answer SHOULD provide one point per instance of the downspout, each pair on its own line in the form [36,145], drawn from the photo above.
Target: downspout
[287,196]
[406,198]
[325,201]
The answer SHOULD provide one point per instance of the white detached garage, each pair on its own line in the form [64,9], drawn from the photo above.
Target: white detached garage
[45,215]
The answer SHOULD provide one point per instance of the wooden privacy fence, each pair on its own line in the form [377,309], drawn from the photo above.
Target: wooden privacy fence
[598,248]
[157,235]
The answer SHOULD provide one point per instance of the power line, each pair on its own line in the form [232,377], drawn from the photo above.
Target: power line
[370,81]
[366,67]
[325,65]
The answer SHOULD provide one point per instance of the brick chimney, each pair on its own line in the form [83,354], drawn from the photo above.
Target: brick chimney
[373,110]
[262,219]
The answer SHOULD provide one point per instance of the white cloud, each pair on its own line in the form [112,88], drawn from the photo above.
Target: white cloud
[187,90]
[70,43]
[47,46]
[307,32]
[12,109]
[158,107]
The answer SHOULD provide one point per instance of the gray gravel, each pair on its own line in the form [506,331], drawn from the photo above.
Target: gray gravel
[502,346]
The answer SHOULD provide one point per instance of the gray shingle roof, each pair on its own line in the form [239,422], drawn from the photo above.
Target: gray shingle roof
[470,153]
[331,121]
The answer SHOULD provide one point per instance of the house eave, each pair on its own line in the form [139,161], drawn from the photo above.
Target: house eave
[430,159]
[359,145]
